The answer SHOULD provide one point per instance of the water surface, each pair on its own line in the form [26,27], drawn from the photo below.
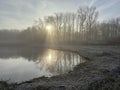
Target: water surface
[17,65]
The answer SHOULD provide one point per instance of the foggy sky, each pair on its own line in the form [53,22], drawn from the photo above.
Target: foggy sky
[20,14]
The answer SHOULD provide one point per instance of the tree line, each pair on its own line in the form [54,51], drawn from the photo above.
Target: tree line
[80,27]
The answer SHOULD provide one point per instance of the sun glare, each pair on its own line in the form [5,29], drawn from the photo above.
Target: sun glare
[49,57]
[49,27]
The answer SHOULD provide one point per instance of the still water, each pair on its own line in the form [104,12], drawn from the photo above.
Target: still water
[17,65]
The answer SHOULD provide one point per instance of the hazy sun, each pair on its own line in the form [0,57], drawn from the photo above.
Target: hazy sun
[49,27]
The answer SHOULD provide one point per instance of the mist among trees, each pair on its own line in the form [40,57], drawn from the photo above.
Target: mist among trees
[81,27]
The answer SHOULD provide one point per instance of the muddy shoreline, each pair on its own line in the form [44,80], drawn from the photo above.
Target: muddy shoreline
[101,72]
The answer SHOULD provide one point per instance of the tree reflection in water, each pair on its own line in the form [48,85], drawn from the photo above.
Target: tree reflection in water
[21,64]
[58,62]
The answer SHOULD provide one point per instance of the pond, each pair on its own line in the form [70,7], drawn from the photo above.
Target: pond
[18,65]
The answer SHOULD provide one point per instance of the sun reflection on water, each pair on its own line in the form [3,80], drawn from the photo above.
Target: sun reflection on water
[59,62]
[49,59]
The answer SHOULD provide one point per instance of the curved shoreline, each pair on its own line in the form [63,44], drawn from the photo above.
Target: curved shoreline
[102,70]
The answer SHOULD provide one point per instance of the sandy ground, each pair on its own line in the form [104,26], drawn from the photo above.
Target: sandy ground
[100,72]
